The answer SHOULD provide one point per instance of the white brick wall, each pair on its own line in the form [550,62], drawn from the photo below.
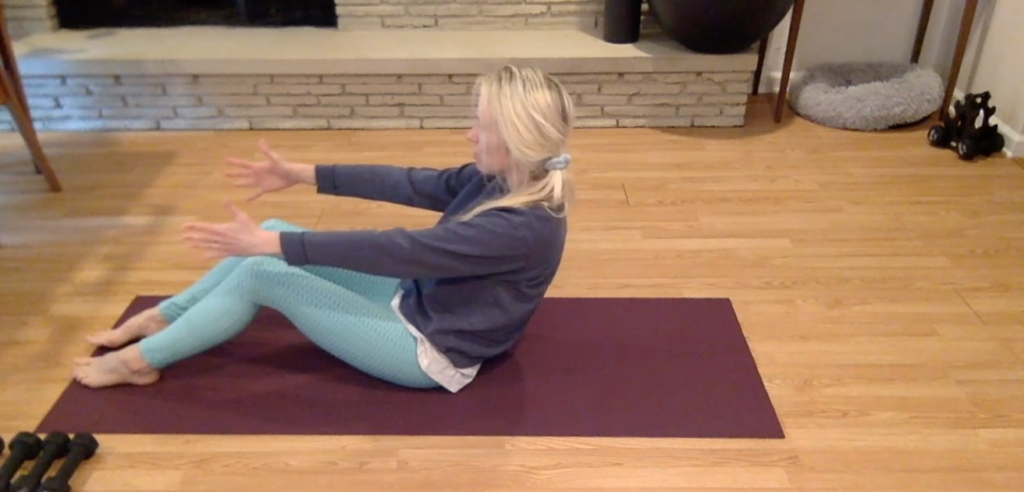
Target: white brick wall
[364,101]
[468,14]
[27,17]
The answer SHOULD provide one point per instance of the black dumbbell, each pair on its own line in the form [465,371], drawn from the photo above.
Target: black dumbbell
[83,447]
[24,447]
[55,447]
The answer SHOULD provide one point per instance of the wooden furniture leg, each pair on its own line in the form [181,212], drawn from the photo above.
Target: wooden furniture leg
[970,7]
[12,95]
[922,29]
[762,52]
[787,64]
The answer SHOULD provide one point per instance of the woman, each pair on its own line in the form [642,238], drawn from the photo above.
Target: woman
[418,308]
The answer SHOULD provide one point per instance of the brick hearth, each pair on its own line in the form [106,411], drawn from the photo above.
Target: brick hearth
[27,17]
[390,64]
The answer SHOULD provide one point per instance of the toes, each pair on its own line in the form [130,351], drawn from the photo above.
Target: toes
[81,375]
[86,377]
[109,370]
[103,336]
[96,339]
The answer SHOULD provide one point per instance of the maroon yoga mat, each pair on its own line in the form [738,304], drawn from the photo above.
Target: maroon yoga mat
[598,367]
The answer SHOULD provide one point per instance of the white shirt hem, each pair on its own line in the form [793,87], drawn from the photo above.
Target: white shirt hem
[432,361]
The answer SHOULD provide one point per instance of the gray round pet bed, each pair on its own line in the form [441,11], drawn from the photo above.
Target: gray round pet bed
[866,96]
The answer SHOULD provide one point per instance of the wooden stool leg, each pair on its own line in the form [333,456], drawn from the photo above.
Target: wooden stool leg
[922,30]
[958,56]
[787,64]
[762,52]
[28,133]
[17,102]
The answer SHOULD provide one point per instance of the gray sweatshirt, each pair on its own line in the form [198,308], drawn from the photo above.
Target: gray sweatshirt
[470,287]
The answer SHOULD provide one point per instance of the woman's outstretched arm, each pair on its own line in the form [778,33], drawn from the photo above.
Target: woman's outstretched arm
[492,242]
[302,173]
[426,188]
[432,189]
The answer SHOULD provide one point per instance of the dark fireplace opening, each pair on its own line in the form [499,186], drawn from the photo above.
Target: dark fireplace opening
[91,14]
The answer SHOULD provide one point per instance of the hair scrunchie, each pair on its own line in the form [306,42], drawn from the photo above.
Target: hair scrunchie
[559,163]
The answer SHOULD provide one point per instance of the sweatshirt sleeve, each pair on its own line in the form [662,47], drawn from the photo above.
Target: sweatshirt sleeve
[490,243]
[430,189]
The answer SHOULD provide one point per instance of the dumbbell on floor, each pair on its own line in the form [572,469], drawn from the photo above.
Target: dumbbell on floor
[83,447]
[55,447]
[24,447]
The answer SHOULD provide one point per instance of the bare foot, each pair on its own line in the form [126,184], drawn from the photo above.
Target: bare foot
[144,324]
[125,366]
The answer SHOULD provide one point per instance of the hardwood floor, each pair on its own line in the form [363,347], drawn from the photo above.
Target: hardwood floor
[880,283]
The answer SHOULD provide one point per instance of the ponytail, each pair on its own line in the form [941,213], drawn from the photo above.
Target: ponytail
[553,190]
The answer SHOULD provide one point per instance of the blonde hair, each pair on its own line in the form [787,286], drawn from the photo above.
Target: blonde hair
[533,115]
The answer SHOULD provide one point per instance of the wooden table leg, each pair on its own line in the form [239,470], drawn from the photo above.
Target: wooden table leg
[970,7]
[787,64]
[922,29]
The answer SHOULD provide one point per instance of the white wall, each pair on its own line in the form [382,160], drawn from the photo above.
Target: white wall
[840,30]
[994,61]
[884,30]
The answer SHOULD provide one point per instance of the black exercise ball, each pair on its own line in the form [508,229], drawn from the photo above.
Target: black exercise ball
[719,26]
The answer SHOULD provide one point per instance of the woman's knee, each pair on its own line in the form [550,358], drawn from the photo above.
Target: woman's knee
[262,264]
[257,277]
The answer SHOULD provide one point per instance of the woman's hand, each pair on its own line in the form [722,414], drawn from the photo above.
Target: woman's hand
[241,237]
[273,174]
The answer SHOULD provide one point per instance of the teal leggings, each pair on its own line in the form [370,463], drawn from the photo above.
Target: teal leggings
[346,313]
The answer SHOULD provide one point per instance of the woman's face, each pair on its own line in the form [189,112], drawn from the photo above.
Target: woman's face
[489,151]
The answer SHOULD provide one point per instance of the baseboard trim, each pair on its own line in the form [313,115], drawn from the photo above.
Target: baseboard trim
[772,81]
[1016,150]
